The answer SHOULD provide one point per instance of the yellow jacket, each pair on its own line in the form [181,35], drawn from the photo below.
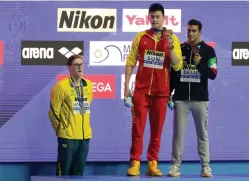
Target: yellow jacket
[64,115]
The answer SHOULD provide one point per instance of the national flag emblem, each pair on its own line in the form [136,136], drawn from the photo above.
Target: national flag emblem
[212,63]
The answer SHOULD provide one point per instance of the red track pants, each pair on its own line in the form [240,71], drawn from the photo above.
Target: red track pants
[157,111]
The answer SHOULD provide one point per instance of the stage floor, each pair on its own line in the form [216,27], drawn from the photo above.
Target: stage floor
[142,178]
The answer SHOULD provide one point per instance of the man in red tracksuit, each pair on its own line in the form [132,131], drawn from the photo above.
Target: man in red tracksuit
[158,50]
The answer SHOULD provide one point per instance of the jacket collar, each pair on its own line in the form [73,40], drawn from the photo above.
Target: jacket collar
[198,44]
[150,32]
[84,83]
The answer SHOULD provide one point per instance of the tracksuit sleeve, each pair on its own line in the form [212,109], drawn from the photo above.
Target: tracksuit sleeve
[172,80]
[178,51]
[91,92]
[209,69]
[133,56]
[56,99]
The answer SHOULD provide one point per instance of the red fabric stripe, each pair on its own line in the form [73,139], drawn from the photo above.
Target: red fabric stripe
[214,70]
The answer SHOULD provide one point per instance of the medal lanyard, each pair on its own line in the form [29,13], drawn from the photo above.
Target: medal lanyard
[78,92]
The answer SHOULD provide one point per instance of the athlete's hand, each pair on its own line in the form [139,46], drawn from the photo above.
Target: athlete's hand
[127,92]
[128,97]
[171,105]
[169,34]
[197,58]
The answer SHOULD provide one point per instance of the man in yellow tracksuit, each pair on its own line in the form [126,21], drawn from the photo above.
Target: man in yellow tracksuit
[70,117]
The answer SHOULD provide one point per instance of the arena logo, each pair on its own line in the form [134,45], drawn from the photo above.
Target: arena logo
[49,52]
[38,53]
[86,20]
[240,53]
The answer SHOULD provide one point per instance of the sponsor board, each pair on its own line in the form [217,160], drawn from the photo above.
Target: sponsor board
[86,20]
[212,44]
[49,52]
[109,53]
[104,85]
[135,20]
[240,53]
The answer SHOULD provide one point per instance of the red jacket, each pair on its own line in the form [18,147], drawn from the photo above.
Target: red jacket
[153,74]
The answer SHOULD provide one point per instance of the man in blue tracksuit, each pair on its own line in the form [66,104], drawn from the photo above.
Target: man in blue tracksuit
[190,86]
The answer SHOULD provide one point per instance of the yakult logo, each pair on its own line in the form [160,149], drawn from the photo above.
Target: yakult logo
[103,85]
[135,20]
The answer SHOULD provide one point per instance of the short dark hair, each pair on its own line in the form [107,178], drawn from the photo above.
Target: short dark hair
[195,22]
[72,58]
[156,7]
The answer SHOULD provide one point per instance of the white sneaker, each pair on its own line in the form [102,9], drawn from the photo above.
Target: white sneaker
[206,171]
[174,170]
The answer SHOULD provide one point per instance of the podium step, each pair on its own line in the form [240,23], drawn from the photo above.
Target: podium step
[142,178]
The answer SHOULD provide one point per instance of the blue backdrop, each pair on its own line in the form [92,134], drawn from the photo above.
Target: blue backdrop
[26,134]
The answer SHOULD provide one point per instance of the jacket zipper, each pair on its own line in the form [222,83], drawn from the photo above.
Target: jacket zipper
[151,81]
[166,76]
[152,76]
[191,54]
[140,71]
[83,126]
[82,115]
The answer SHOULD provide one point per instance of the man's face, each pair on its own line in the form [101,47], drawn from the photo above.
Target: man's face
[193,33]
[156,19]
[76,68]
